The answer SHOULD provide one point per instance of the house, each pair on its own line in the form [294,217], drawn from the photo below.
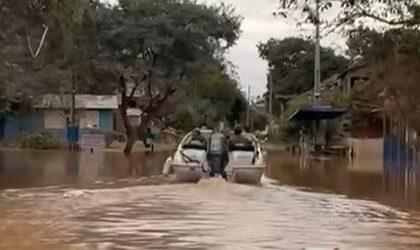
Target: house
[344,83]
[353,83]
[50,113]
[365,119]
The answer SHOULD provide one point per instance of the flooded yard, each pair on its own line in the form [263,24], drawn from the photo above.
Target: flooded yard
[110,201]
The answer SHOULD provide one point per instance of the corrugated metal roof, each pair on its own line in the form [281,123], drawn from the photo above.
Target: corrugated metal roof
[317,113]
[51,101]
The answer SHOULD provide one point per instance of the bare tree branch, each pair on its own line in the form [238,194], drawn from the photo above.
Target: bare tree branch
[365,13]
[138,84]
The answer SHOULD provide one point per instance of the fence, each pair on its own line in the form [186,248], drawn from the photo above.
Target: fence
[401,149]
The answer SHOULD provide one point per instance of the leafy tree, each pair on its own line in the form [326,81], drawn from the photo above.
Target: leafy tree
[368,46]
[393,57]
[44,46]
[292,61]
[153,43]
[391,12]
[210,94]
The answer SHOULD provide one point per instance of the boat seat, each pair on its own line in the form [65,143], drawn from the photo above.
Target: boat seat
[242,147]
[195,145]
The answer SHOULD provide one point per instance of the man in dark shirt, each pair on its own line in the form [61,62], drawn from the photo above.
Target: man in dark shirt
[198,137]
[238,138]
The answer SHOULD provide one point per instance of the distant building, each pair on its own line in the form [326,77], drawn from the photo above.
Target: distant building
[50,113]
[357,78]
[344,83]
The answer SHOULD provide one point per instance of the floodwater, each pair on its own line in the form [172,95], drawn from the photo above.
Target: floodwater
[109,201]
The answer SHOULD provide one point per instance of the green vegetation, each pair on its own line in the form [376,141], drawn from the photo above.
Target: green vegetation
[211,96]
[292,61]
[391,56]
[159,48]
[402,13]
[156,45]
[289,130]
[39,141]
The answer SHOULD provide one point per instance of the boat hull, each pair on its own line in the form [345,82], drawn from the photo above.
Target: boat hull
[188,173]
[246,174]
[193,173]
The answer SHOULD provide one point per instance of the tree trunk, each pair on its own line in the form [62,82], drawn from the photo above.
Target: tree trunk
[131,139]
[129,130]
[141,129]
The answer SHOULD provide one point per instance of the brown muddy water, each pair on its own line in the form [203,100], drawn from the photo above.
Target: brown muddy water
[109,201]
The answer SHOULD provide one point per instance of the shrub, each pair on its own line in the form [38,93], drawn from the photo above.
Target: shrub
[39,141]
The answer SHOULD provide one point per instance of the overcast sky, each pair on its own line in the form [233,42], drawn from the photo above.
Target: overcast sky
[260,25]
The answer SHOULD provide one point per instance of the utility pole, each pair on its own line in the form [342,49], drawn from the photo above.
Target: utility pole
[72,130]
[270,98]
[73,101]
[317,68]
[249,106]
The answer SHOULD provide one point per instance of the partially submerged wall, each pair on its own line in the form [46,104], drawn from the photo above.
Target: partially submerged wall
[367,155]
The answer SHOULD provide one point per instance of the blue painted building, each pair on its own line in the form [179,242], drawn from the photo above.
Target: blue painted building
[51,112]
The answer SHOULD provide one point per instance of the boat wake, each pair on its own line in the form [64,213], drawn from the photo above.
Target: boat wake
[212,182]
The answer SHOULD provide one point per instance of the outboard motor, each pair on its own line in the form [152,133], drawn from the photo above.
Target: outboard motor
[218,155]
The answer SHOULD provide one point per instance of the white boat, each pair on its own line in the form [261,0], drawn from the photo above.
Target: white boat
[246,165]
[189,163]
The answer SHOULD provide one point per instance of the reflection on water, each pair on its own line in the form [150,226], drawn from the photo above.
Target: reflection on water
[33,169]
[302,203]
[399,187]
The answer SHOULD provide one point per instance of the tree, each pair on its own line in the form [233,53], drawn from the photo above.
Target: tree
[152,43]
[404,13]
[394,58]
[210,93]
[44,44]
[292,60]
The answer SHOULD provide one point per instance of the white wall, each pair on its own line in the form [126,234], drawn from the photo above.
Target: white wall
[54,119]
[88,118]
[368,155]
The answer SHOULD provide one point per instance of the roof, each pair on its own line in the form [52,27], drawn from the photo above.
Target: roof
[351,69]
[52,101]
[317,113]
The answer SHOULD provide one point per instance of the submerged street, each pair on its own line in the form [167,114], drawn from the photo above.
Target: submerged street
[88,86]
[106,201]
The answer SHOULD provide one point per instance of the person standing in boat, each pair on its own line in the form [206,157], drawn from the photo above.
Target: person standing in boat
[218,155]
